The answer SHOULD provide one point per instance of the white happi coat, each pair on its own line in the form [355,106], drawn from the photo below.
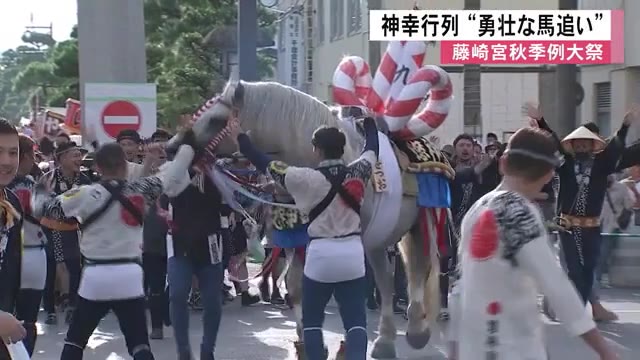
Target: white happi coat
[116,234]
[506,261]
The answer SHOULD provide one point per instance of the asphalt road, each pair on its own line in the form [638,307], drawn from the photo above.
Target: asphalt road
[266,332]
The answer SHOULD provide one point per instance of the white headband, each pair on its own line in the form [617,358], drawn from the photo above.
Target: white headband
[552,160]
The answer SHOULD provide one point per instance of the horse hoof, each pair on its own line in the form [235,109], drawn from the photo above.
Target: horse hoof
[383,350]
[419,340]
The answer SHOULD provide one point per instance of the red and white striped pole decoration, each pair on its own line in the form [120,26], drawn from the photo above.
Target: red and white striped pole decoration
[381,86]
[429,79]
[351,82]
[411,60]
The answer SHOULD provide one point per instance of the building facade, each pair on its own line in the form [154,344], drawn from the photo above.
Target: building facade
[610,90]
[341,28]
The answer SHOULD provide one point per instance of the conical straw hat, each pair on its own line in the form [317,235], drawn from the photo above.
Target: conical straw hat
[582,133]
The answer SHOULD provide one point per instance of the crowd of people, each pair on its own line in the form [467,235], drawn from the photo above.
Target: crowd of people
[129,227]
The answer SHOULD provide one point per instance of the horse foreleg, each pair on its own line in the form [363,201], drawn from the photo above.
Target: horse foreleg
[384,345]
[417,267]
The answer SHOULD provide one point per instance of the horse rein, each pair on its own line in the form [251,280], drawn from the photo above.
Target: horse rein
[210,157]
[226,131]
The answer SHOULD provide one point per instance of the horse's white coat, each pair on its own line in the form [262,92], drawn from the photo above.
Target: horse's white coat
[386,205]
[282,120]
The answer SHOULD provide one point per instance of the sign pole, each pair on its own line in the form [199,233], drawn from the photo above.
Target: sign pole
[566,80]
[247,40]
[111,44]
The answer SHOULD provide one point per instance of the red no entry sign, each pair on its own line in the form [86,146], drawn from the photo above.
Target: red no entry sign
[120,115]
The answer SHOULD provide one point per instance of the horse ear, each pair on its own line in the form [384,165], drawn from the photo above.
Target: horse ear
[238,95]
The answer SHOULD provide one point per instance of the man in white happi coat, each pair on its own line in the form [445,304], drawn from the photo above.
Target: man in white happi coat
[506,259]
[110,216]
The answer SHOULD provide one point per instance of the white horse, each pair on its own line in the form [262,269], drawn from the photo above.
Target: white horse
[280,121]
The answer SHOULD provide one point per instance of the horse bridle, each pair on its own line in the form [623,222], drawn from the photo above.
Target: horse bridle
[221,135]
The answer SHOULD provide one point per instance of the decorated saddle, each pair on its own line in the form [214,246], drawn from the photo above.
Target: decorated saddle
[395,94]
[426,172]
[289,227]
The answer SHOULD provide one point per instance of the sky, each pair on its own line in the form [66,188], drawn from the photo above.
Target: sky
[16,15]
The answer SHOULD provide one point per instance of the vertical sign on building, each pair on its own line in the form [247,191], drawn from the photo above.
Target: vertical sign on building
[291,51]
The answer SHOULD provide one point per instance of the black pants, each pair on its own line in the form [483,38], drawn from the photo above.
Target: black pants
[399,279]
[155,281]
[49,295]
[4,353]
[74,268]
[131,317]
[27,308]
[448,264]
[581,249]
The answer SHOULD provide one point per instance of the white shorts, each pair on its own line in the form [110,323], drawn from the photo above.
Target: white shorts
[34,269]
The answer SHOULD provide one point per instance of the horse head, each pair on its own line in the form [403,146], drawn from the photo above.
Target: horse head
[210,127]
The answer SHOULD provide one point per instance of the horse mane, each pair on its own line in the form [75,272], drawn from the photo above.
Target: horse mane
[283,119]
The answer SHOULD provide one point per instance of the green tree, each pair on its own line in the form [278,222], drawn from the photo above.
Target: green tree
[186,69]
[23,72]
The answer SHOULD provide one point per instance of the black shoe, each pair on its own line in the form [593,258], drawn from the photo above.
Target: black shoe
[156,334]
[68,318]
[371,303]
[277,300]
[185,356]
[398,308]
[227,297]
[288,300]
[207,356]
[167,320]
[248,299]
[444,315]
[52,319]
[195,301]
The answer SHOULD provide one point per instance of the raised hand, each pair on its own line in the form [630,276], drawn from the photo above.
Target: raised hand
[154,152]
[632,115]
[533,123]
[234,130]
[434,140]
[483,162]
[532,110]
[184,122]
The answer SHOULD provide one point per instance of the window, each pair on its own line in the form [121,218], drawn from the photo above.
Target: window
[506,135]
[354,17]
[603,107]
[320,15]
[337,19]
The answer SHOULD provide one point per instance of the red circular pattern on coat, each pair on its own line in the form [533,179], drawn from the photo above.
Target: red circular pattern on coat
[484,237]
[494,308]
[355,187]
[24,195]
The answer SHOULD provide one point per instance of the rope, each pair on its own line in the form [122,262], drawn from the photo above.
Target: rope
[612,234]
